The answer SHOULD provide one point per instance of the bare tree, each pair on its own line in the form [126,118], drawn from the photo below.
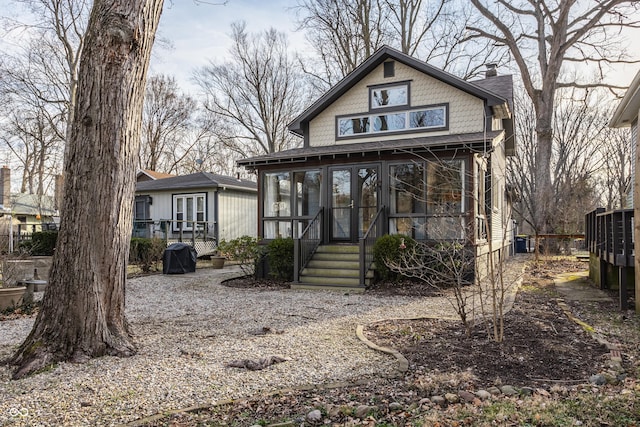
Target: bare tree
[166,119]
[255,95]
[82,314]
[615,175]
[344,34]
[543,37]
[579,148]
[39,81]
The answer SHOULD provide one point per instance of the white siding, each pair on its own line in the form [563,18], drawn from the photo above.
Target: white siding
[634,149]
[500,215]
[238,214]
[466,112]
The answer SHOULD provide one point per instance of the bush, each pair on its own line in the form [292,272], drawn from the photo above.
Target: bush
[244,250]
[146,252]
[387,248]
[43,243]
[280,255]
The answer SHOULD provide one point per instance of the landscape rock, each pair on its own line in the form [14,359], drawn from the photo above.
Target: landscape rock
[508,390]
[314,416]
[363,411]
[483,394]
[438,400]
[597,379]
[395,406]
[494,390]
[467,396]
[526,391]
[425,401]
[451,398]
[610,378]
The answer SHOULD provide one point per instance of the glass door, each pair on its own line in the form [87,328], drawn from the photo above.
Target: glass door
[353,201]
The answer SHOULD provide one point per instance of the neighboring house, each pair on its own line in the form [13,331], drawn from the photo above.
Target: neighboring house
[30,212]
[34,213]
[397,146]
[196,207]
[151,175]
[610,235]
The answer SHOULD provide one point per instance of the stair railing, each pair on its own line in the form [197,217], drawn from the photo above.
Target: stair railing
[305,246]
[366,244]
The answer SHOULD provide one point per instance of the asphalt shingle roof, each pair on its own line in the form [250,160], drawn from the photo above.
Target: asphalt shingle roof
[196,180]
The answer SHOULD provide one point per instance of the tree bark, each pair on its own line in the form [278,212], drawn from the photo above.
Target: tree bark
[82,314]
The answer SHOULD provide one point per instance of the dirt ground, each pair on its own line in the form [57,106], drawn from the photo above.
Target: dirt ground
[542,350]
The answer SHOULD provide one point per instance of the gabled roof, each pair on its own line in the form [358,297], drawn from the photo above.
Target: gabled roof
[153,174]
[500,85]
[627,110]
[199,180]
[380,56]
[32,204]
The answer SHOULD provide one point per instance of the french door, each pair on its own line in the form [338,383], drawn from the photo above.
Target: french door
[353,202]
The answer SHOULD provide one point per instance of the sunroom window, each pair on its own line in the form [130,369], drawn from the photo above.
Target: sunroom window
[426,199]
[291,199]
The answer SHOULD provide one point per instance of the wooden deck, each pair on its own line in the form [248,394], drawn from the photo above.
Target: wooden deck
[609,239]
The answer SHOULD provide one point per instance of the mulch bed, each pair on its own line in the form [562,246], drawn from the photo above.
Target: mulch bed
[541,346]
[542,349]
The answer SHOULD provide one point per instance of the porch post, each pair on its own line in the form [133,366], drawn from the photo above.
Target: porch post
[362,249]
[296,260]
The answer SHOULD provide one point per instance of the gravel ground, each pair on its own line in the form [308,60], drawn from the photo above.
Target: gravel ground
[187,328]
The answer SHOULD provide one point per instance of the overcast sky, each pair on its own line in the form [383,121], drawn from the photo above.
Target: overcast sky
[199,32]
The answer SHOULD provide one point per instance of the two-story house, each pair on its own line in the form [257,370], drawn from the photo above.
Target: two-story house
[397,146]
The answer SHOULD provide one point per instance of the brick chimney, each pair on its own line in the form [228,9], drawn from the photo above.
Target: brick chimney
[5,187]
[492,70]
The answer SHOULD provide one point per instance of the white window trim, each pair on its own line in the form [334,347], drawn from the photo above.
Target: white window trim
[374,106]
[407,121]
[189,225]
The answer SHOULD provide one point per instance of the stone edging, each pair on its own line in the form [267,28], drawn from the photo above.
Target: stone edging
[402,368]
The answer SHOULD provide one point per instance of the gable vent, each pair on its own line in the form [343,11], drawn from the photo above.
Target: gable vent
[389,69]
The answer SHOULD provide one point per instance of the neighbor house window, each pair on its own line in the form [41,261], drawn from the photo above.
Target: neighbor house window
[188,209]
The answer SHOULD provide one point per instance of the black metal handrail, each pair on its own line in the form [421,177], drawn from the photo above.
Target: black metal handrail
[366,244]
[306,245]
[609,235]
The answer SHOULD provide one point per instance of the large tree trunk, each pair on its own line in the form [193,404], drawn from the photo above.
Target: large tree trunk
[544,106]
[82,314]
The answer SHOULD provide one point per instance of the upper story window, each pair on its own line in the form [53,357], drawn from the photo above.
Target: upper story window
[430,117]
[389,96]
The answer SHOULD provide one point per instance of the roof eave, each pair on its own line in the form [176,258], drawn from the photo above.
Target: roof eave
[628,108]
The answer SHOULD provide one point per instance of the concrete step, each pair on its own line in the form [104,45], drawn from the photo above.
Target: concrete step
[330,272]
[336,256]
[330,281]
[333,263]
[341,249]
[338,288]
